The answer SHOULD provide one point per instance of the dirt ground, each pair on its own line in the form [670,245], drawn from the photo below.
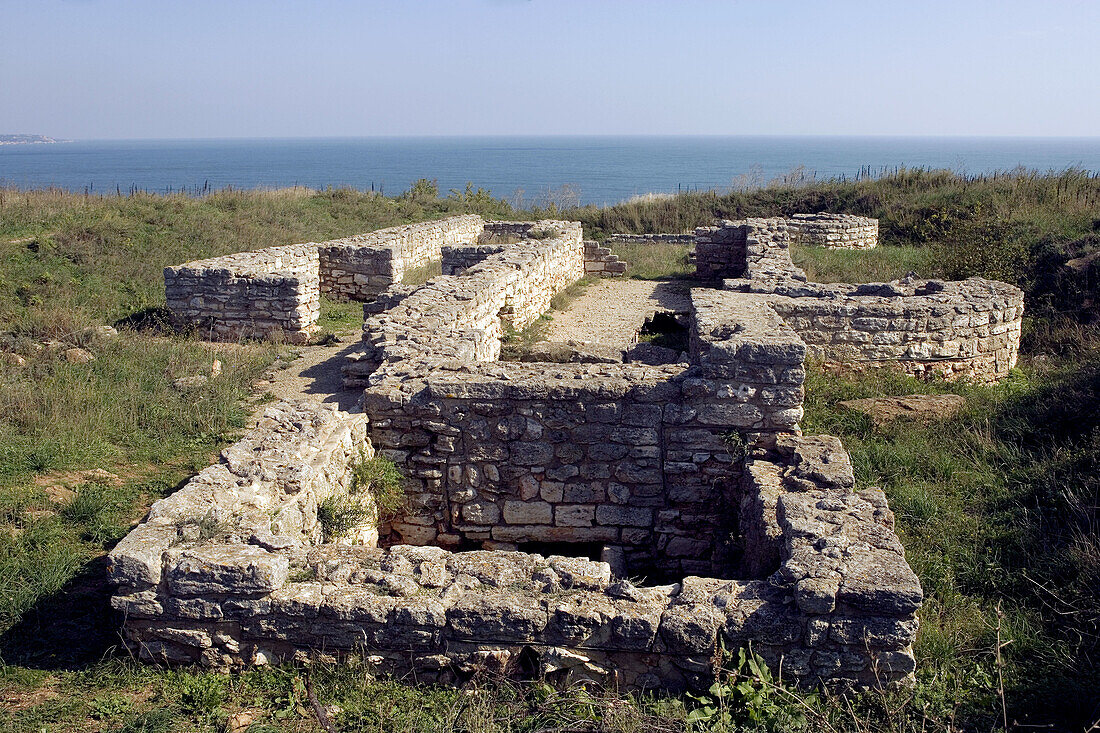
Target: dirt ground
[315,373]
[611,311]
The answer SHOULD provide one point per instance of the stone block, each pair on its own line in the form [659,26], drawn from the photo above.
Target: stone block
[226,569]
[528,512]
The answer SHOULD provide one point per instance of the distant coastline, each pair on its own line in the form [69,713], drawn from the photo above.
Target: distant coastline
[29,140]
[529,171]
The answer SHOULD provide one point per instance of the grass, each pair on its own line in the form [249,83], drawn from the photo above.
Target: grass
[655,260]
[882,264]
[422,274]
[340,316]
[997,506]
[997,509]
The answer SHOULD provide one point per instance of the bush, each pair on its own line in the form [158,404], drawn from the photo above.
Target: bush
[379,478]
[339,515]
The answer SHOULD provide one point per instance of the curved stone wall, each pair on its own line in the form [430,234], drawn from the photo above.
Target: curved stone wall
[834,231]
[969,329]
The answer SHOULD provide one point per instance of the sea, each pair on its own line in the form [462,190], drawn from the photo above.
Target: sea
[524,170]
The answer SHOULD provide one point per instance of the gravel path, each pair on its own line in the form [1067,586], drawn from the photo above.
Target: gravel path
[611,311]
[315,374]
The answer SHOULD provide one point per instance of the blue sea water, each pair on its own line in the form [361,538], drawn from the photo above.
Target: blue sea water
[600,170]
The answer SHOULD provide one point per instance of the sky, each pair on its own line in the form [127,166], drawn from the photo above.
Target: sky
[102,69]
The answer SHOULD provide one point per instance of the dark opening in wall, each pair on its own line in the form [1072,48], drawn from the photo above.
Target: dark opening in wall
[666,329]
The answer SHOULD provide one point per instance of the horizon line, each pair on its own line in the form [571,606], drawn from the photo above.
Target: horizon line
[433,136]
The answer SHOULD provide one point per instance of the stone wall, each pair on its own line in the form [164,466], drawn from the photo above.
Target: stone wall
[464,317]
[685,239]
[834,231]
[969,329]
[275,292]
[458,258]
[757,250]
[268,293]
[362,266]
[599,262]
[836,604]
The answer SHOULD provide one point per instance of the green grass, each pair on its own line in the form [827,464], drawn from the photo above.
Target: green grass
[996,507]
[655,260]
[339,316]
[881,264]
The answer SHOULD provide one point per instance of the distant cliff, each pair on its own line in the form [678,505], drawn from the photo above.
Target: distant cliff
[27,139]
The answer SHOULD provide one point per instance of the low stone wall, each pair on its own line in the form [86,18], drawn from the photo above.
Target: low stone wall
[839,605]
[685,239]
[757,250]
[834,231]
[599,262]
[457,259]
[969,329]
[275,292]
[362,266]
[464,317]
[268,293]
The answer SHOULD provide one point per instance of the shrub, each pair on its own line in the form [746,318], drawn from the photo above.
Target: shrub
[379,478]
[339,514]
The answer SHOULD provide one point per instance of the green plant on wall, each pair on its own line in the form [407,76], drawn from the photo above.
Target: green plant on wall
[379,478]
[340,514]
[374,494]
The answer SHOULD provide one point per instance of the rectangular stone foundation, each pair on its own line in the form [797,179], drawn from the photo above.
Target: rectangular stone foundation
[837,603]
[697,475]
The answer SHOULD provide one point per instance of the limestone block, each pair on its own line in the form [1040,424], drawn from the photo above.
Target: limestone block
[228,569]
[528,512]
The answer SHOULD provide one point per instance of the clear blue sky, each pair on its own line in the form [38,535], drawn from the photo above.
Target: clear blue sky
[273,68]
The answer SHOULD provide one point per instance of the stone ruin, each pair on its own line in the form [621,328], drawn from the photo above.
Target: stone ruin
[834,231]
[953,330]
[612,523]
[275,292]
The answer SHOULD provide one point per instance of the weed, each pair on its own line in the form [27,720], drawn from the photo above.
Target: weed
[303,575]
[199,695]
[379,478]
[750,694]
[339,515]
